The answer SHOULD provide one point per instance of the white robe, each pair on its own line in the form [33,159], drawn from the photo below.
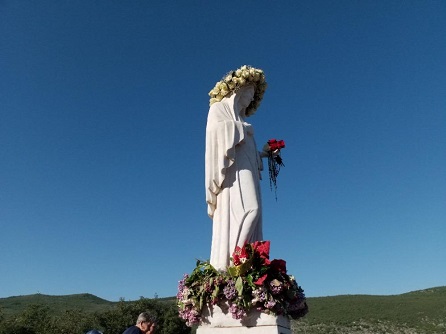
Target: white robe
[232,174]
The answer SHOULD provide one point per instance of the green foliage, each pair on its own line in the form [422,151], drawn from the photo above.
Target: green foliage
[114,318]
[203,272]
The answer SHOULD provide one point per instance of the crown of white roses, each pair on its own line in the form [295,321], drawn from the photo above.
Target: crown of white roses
[234,80]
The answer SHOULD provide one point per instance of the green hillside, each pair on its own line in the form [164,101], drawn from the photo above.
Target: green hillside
[57,304]
[421,311]
[418,312]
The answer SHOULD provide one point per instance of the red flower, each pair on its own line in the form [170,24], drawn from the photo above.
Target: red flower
[279,265]
[240,255]
[261,280]
[262,248]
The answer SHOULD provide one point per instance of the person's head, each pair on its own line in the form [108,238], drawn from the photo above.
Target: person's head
[146,322]
[94,331]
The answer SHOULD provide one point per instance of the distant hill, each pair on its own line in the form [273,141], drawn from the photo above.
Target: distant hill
[418,312]
[57,304]
[422,311]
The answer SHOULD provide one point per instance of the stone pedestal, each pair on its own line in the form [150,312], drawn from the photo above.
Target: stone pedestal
[218,320]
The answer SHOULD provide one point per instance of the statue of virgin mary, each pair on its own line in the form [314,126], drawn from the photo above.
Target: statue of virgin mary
[233,164]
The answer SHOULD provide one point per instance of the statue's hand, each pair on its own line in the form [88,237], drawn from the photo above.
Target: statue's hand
[266,148]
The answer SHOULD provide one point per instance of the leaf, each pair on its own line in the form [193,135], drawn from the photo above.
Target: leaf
[233,271]
[216,291]
[239,286]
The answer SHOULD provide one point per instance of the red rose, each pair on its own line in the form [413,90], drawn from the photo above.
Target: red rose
[279,265]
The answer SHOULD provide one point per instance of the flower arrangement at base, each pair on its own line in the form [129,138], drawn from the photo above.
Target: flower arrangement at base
[251,282]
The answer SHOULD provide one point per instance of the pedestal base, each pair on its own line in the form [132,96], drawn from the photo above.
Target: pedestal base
[217,320]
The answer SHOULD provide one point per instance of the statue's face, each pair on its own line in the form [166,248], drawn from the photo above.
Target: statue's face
[246,96]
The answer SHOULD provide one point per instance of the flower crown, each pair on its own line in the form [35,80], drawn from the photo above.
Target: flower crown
[234,80]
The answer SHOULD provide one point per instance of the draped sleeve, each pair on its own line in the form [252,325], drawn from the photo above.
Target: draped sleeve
[223,133]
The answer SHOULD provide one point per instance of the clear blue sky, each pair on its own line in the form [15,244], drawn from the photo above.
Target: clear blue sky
[103,108]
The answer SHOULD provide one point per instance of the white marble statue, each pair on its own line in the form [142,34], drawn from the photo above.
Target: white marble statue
[233,166]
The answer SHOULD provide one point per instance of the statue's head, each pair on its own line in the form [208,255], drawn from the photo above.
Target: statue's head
[245,76]
[244,97]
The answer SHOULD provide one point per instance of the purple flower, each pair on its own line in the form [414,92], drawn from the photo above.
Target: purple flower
[276,286]
[190,315]
[236,311]
[270,304]
[259,295]
[181,286]
[229,290]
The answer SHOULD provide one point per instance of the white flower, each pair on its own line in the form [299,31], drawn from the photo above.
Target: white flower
[223,86]
[214,92]
[224,92]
